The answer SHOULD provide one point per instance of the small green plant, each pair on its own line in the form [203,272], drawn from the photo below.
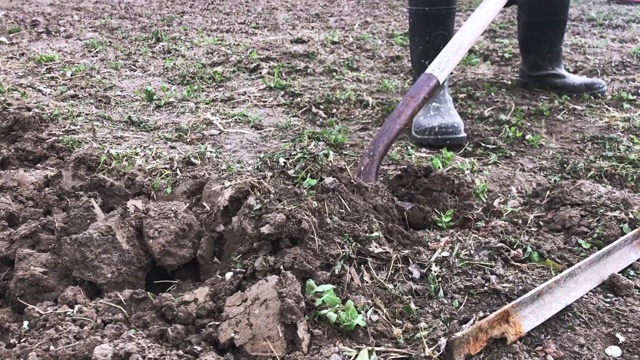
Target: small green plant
[511,133]
[76,69]
[387,86]
[364,37]
[445,220]
[467,166]
[345,316]
[585,244]
[253,56]
[70,142]
[625,97]
[333,37]
[159,36]
[164,180]
[235,261]
[276,82]
[245,117]
[46,58]
[635,52]
[400,38]
[470,60]
[116,65]
[545,109]
[150,95]
[480,190]
[534,140]
[335,135]
[532,255]
[309,183]
[93,44]
[13,30]
[443,160]
[435,286]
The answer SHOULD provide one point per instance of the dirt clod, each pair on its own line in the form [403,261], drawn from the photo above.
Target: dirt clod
[171,234]
[415,217]
[103,352]
[110,254]
[253,319]
[620,285]
[37,279]
[72,296]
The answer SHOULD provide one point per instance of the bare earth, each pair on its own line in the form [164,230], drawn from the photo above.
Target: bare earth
[172,173]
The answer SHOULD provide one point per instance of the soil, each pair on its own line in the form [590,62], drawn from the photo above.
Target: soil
[173,173]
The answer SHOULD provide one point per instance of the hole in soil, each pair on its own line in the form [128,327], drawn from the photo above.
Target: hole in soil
[107,208]
[13,221]
[233,208]
[285,243]
[4,163]
[91,290]
[158,280]
[188,271]
[294,241]
[6,269]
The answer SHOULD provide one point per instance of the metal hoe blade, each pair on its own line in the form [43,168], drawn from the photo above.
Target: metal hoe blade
[521,316]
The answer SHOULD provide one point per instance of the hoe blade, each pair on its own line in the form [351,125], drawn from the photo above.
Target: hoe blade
[521,316]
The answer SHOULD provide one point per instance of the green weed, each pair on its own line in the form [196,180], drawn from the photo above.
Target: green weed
[470,60]
[70,142]
[443,160]
[275,82]
[344,316]
[13,30]
[534,140]
[444,220]
[480,189]
[388,86]
[46,58]
[400,38]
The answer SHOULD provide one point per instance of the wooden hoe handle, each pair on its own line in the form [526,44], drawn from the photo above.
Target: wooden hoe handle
[424,88]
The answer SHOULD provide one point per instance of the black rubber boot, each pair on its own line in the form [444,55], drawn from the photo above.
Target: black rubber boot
[541,29]
[431,26]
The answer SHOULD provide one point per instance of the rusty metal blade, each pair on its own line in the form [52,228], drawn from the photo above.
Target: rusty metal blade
[524,314]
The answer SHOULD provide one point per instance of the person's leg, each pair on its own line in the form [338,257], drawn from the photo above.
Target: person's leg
[541,30]
[431,26]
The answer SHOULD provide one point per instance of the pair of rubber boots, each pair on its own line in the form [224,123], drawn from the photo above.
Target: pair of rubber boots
[541,30]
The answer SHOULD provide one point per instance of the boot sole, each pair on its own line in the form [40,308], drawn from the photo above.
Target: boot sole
[438,141]
[530,85]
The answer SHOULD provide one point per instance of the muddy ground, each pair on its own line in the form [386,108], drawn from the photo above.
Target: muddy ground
[172,174]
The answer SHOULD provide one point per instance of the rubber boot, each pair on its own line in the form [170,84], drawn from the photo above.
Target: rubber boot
[431,26]
[541,30]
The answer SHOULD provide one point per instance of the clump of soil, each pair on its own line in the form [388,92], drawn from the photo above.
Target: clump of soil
[253,320]
[110,253]
[171,234]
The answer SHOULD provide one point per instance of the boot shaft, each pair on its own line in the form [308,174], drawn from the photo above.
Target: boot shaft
[431,26]
[541,28]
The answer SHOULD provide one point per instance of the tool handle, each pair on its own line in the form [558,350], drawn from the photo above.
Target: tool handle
[424,88]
